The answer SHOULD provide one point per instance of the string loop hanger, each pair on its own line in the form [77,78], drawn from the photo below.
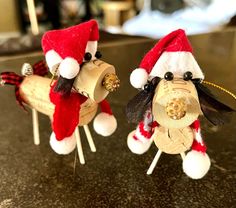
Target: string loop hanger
[220,88]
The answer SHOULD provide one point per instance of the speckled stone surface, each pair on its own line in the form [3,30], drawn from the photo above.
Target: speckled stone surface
[34,176]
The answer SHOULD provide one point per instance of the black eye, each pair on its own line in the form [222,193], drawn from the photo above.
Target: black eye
[196,81]
[169,76]
[98,55]
[188,76]
[147,87]
[87,56]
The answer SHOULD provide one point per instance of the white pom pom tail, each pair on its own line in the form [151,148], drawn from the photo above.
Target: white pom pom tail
[196,164]
[137,146]
[138,78]
[53,59]
[69,68]
[63,147]
[105,124]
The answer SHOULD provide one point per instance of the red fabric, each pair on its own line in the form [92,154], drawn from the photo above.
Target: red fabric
[105,107]
[40,68]
[66,114]
[174,42]
[196,125]
[145,133]
[154,124]
[135,138]
[199,147]
[72,41]
[11,78]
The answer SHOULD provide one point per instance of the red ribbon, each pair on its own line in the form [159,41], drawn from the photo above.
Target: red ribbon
[11,78]
[66,113]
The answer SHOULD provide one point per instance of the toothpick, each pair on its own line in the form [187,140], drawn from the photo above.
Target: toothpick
[79,146]
[154,162]
[89,138]
[75,163]
[33,17]
[35,126]
[182,155]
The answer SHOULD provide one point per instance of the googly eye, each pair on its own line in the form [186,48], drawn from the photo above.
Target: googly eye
[188,76]
[169,76]
[87,56]
[98,55]
[147,87]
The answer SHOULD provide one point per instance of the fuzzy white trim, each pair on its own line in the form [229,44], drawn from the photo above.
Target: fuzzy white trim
[105,124]
[69,68]
[53,59]
[139,135]
[196,164]
[138,78]
[198,136]
[178,63]
[137,146]
[63,147]
[91,48]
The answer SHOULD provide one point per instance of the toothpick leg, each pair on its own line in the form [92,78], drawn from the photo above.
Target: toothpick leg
[35,126]
[89,138]
[79,146]
[154,162]
[182,155]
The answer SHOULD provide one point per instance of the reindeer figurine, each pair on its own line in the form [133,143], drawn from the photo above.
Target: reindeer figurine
[171,99]
[72,99]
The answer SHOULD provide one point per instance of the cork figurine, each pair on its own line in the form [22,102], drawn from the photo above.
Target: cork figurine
[80,83]
[172,97]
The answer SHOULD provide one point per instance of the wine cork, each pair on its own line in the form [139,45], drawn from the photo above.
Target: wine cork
[173,141]
[175,103]
[90,80]
[34,90]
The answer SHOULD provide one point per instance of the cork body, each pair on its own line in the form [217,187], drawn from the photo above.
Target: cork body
[173,141]
[34,90]
[90,80]
[175,103]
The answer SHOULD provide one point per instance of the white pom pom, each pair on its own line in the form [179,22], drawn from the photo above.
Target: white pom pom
[63,147]
[53,59]
[105,124]
[69,68]
[138,78]
[196,164]
[137,146]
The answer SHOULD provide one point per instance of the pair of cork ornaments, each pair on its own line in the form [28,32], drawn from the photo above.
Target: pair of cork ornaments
[171,96]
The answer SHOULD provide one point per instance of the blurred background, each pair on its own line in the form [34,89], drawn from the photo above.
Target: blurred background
[149,18]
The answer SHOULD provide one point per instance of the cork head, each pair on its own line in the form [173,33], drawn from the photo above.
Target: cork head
[96,79]
[175,103]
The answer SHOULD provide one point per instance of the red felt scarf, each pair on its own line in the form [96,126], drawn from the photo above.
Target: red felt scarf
[66,113]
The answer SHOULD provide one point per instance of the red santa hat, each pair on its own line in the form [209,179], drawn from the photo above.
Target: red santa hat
[173,53]
[66,48]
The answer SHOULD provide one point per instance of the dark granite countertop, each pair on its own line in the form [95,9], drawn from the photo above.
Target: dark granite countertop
[34,176]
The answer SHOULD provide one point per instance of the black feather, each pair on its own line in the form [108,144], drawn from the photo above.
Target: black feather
[138,105]
[215,111]
[64,86]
